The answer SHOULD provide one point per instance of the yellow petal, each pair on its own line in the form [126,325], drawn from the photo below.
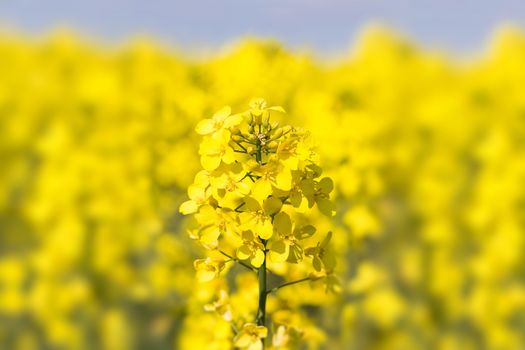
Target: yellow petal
[222,113]
[222,136]
[261,190]
[210,162]
[188,207]
[262,331]
[231,200]
[228,156]
[265,230]
[209,236]
[326,206]
[305,232]
[279,251]
[326,240]
[296,199]
[202,179]
[233,120]
[316,262]
[272,205]
[205,127]
[282,223]
[276,109]
[307,186]
[255,345]
[326,185]
[205,275]
[329,261]
[247,220]
[283,180]
[207,215]
[251,204]
[247,235]
[196,192]
[258,258]
[243,188]
[244,252]
[295,255]
[243,340]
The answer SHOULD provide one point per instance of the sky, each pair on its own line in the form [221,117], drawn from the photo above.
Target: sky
[321,25]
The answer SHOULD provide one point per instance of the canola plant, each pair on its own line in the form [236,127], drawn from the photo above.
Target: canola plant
[98,150]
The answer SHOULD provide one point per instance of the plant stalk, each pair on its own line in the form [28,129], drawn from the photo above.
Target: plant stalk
[261,310]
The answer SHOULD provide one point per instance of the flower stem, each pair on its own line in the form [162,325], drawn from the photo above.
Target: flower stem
[261,311]
[275,289]
[238,261]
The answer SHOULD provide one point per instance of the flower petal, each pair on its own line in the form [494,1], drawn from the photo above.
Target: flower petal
[272,205]
[258,259]
[265,230]
[279,251]
[210,162]
[282,223]
[261,190]
[205,127]
[188,207]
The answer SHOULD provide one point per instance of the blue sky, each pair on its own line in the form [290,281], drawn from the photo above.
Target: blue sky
[322,25]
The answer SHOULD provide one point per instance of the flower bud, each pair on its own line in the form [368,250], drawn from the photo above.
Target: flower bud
[266,122]
[278,133]
[237,138]
[286,129]
[273,145]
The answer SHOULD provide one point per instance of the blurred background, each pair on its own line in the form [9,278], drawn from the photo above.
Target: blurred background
[418,110]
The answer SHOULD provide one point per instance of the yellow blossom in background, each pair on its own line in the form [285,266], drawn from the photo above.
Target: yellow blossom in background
[413,160]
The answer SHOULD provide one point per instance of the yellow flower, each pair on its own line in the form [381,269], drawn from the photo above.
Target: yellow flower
[285,336]
[256,219]
[208,269]
[318,192]
[212,223]
[250,337]
[321,257]
[286,246]
[229,185]
[220,120]
[221,306]
[198,197]
[251,248]
[271,174]
[215,149]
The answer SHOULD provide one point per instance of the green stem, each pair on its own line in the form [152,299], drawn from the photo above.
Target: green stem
[261,311]
[237,260]
[258,155]
[275,289]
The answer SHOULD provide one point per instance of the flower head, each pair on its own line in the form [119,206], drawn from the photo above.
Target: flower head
[250,337]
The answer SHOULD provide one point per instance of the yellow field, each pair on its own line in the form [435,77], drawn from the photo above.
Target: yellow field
[427,155]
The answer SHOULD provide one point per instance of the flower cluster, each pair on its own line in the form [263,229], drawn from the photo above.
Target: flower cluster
[251,201]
